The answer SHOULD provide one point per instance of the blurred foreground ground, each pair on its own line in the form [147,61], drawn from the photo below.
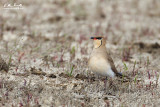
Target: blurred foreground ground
[46,39]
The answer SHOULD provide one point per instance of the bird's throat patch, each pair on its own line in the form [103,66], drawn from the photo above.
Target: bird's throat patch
[97,43]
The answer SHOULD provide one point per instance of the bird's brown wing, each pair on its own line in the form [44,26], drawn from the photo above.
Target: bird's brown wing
[110,60]
[115,70]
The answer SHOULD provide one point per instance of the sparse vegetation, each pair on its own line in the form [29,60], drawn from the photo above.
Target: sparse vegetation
[45,52]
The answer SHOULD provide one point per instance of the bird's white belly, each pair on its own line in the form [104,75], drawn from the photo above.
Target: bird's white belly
[100,66]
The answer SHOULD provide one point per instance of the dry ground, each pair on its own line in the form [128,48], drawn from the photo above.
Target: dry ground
[46,46]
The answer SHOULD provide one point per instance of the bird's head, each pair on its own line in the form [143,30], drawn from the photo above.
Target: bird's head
[99,41]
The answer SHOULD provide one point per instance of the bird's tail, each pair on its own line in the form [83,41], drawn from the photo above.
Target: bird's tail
[125,78]
[119,74]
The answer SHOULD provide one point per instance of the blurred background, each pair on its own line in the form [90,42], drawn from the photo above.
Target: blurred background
[120,20]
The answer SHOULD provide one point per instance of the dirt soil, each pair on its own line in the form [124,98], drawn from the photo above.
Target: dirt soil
[45,46]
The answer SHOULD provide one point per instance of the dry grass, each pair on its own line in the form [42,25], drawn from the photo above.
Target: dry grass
[47,47]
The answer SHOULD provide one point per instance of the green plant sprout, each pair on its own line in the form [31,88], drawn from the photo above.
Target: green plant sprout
[71,71]
[135,79]
[73,50]
[125,67]
[10,60]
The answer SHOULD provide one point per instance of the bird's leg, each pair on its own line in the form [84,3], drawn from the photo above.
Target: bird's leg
[105,82]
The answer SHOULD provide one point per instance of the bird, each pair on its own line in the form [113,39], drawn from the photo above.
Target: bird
[100,61]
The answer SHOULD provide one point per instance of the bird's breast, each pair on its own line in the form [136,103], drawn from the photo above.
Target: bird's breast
[100,65]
